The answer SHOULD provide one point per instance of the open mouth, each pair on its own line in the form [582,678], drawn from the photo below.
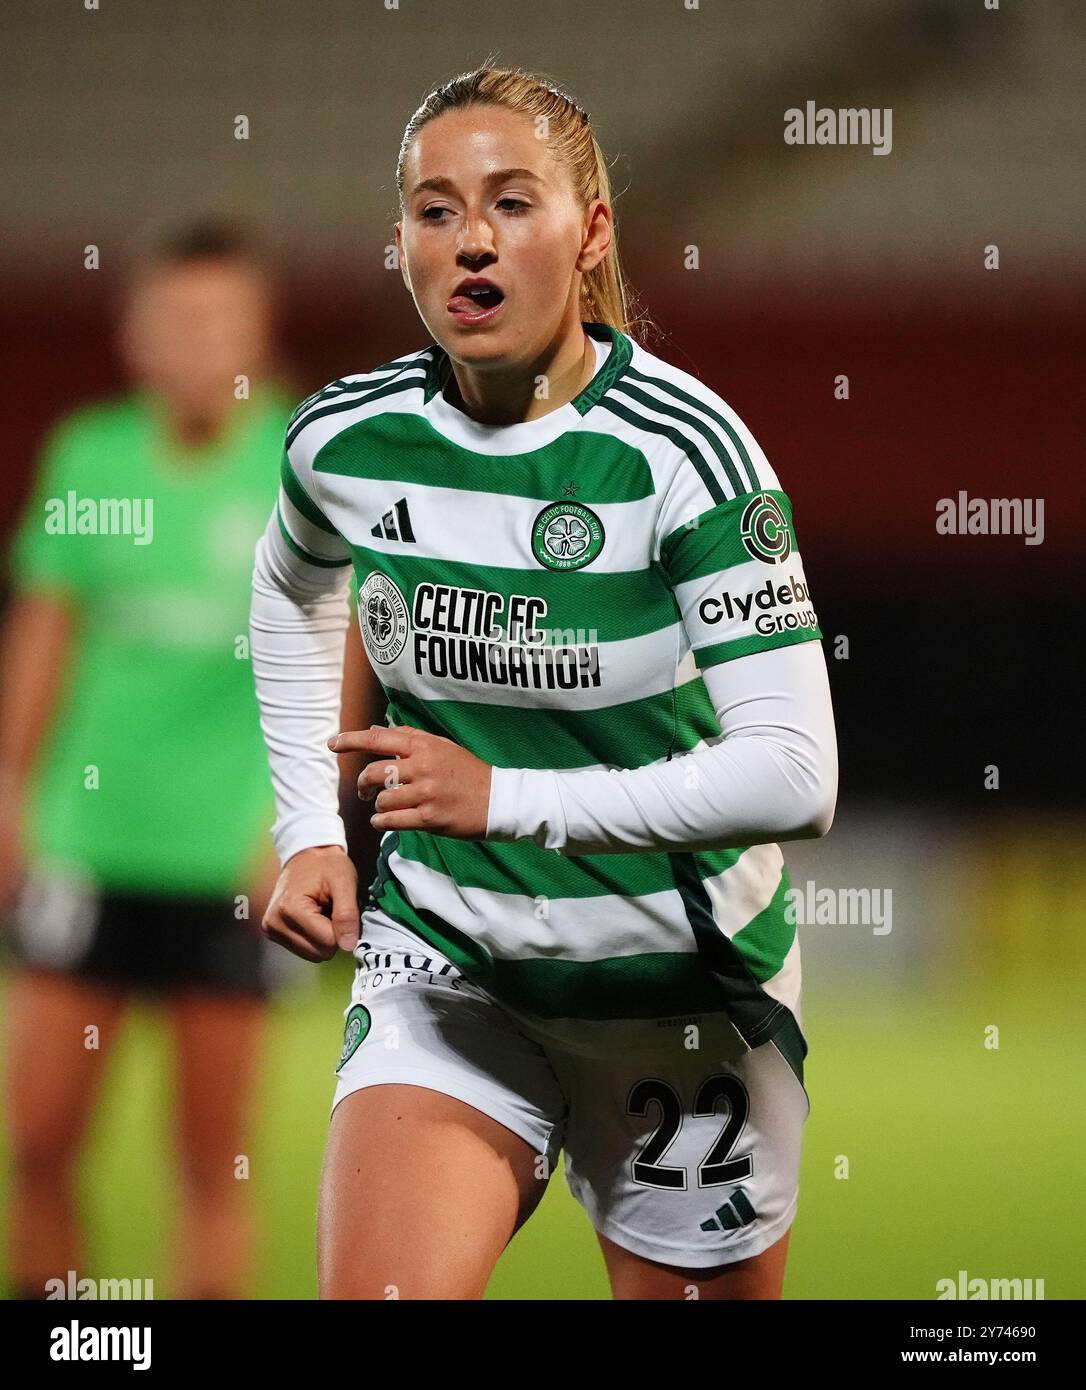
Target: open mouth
[475,300]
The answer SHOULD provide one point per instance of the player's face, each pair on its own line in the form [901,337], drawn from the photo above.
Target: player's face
[190,330]
[524,231]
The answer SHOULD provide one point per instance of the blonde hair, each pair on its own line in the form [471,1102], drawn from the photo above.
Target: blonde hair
[606,297]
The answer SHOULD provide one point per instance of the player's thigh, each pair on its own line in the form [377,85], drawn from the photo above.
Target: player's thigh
[217,1039]
[758,1276]
[420,1194]
[446,1122]
[684,1149]
[59,1031]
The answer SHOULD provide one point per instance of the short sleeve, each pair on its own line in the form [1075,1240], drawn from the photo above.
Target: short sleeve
[302,521]
[738,579]
[44,552]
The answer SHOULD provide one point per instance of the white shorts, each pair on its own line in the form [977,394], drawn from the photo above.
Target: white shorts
[682,1144]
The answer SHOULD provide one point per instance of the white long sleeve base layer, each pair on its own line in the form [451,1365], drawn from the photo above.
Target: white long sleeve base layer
[298,623]
[771,776]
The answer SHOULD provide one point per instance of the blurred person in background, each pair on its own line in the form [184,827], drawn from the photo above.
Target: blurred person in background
[135,856]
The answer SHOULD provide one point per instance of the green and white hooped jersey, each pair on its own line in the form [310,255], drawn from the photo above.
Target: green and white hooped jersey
[546,594]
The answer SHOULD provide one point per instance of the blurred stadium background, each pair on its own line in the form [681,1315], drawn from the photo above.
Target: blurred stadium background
[814,262]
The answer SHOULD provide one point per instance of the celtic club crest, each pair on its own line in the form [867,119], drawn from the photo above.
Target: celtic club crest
[358,1026]
[566,536]
[382,616]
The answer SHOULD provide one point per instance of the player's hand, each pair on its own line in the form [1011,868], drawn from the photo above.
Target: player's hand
[12,859]
[262,886]
[420,781]
[314,906]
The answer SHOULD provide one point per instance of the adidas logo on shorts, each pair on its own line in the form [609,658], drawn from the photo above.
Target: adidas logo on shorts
[733,1215]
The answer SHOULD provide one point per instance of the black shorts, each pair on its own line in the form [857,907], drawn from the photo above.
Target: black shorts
[155,943]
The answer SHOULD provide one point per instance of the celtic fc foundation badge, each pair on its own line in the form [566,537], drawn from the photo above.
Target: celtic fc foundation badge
[382,616]
[764,530]
[566,535]
[358,1025]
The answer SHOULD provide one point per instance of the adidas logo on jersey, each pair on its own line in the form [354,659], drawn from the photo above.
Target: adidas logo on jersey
[395,525]
[732,1215]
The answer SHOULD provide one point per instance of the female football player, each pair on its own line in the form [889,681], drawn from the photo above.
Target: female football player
[579,588]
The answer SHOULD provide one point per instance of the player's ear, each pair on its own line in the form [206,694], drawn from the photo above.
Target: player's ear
[597,236]
[126,334]
[401,256]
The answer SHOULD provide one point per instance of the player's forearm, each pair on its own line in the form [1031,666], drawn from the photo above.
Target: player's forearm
[364,704]
[745,792]
[773,776]
[298,626]
[33,651]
